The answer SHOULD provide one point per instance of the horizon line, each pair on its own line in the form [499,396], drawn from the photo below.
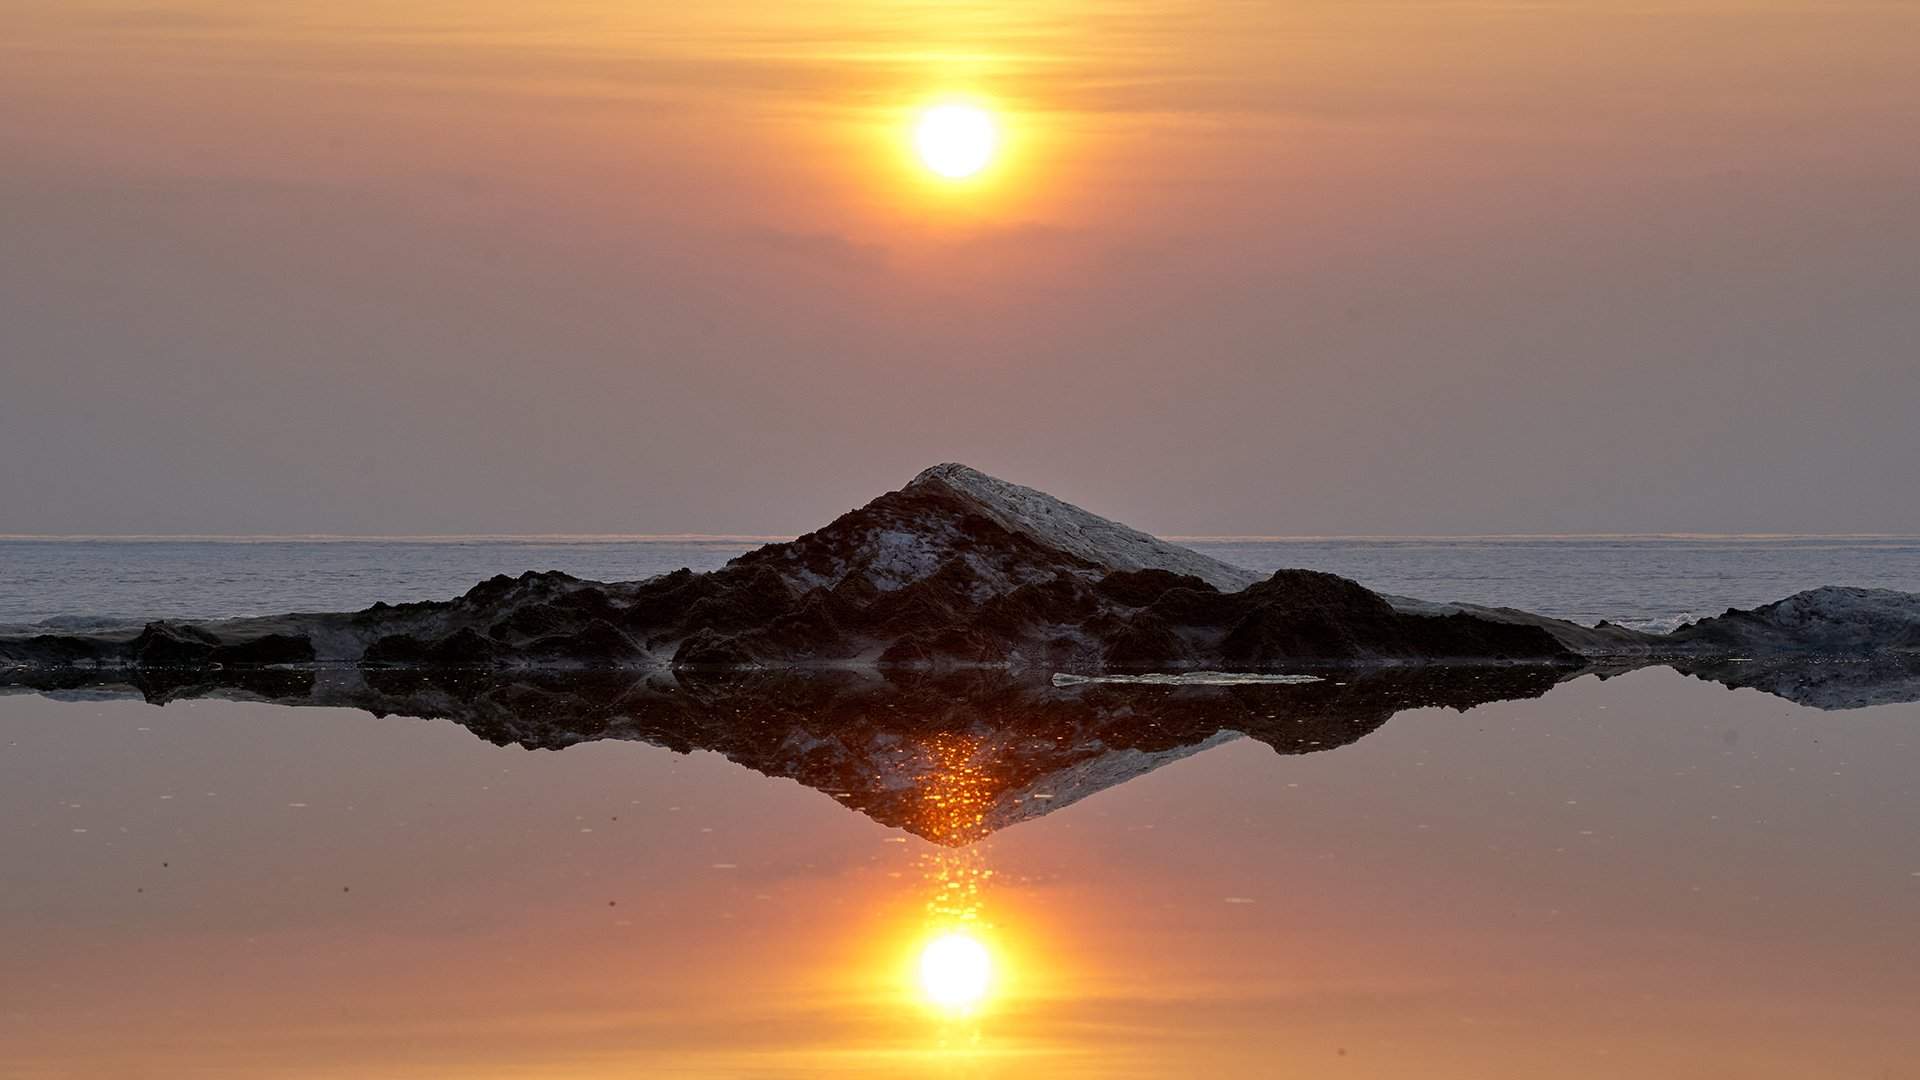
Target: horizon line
[759,538]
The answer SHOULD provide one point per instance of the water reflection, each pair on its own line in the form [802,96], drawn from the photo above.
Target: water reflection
[956,789]
[951,758]
[1638,876]
[948,757]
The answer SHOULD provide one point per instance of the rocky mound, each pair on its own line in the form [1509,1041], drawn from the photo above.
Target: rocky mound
[956,568]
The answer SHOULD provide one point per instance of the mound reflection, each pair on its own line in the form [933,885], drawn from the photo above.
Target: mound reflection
[950,758]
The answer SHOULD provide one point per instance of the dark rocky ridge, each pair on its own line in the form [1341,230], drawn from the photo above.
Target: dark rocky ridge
[958,569]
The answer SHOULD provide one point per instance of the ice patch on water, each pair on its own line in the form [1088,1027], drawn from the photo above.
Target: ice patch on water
[73,624]
[1187,678]
[1663,624]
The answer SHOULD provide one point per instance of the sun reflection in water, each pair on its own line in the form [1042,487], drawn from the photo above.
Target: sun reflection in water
[956,963]
[955,971]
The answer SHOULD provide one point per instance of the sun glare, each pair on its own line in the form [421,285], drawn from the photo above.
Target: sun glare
[956,140]
[955,970]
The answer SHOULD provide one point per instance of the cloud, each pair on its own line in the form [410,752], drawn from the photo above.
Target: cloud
[818,249]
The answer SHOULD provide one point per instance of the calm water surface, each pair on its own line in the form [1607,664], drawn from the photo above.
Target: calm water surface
[1648,876]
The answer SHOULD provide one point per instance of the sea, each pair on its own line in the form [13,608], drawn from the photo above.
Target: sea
[1645,582]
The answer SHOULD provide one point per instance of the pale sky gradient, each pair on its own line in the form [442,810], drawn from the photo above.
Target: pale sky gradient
[1302,267]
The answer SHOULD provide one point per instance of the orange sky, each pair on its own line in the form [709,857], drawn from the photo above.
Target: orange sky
[427,267]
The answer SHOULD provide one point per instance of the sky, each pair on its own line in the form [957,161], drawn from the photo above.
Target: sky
[1262,268]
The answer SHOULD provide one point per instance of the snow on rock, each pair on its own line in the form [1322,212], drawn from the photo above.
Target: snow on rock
[1062,525]
[1185,678]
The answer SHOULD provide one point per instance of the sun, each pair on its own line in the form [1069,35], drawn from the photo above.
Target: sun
[956,140]
[955,971]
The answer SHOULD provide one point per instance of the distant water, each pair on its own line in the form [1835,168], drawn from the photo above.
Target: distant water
[1652,582]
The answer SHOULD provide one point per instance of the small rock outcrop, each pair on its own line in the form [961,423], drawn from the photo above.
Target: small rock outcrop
[1830,621]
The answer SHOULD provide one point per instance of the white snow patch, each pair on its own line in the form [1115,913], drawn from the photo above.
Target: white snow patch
[1188,678]
[1067,527]
[1661,624]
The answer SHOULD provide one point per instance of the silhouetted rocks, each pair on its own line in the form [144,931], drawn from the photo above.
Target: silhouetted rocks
[958,569]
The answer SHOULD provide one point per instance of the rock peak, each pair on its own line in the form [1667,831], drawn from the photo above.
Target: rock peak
[951,473]
[1081,533]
